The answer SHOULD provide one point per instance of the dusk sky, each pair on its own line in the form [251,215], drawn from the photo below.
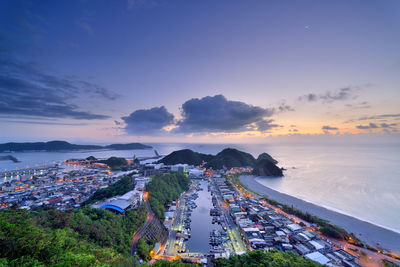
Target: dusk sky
[199,71]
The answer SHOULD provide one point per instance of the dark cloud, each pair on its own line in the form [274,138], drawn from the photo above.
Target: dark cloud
[367,127]
[117,122]
[26,90]
[386,127]
[284,107]
[380,118]
[148,121]
[331,96]
[45,123]
[309,97]
[217,114]
[266,125]
[329,128]
[377,117]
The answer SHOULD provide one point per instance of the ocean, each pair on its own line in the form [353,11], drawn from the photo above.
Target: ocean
[362,181]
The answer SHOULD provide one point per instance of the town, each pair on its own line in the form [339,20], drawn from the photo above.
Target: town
[237,220]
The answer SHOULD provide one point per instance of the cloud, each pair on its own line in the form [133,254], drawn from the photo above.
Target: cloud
[329,128]
[148,121]
[217,114]
[387,128]
[377,117]
[284,107]
[84,22]
[331,96]
[375,126]
[360,105]
[265,125]
[388,125]
[86,26]
[309,97]
[26,90]
[381,118]
[45,123]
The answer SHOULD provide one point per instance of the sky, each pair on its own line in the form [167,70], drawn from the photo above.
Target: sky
[199,71]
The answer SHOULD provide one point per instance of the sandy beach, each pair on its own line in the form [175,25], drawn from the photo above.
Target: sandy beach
[374,235]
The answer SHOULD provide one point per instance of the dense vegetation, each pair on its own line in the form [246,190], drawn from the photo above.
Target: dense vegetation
[260,258]
[268,157]
[118,188]
[81,237]
[185,156]
[143,248]
[265,166]
[165,188]
[230,157]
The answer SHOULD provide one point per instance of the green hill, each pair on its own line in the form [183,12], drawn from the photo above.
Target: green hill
[230,157]
[185,156]
[77,237]
[265,166]
[268,157]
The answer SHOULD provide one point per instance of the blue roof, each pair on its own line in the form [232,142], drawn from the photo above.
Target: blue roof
[112,207]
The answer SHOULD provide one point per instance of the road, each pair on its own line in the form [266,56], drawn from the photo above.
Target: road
[138,234]
[237,242]
[177,223]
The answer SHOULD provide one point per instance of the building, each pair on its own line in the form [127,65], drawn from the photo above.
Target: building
[317,257]
[117,205]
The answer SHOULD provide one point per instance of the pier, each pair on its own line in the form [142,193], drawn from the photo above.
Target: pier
[25,171]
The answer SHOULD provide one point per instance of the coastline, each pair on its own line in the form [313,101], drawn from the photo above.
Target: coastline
[372,234]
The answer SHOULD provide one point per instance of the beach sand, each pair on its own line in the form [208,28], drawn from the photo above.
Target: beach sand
[373,235]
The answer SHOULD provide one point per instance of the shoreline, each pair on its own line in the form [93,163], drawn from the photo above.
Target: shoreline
[370,233]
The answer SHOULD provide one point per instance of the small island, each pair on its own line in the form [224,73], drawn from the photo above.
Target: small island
[65,146]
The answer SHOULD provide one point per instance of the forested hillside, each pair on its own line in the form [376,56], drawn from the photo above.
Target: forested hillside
[80,237]
[165,188]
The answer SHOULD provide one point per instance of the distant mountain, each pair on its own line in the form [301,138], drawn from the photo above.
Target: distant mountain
[127,146]
[264,165]
[63,145]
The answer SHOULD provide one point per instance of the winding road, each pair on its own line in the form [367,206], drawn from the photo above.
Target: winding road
[138,234]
